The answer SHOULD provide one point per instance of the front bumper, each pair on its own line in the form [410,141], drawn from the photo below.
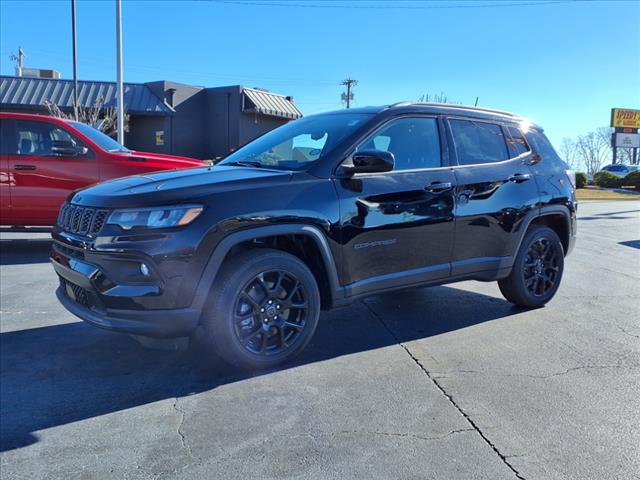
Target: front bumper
[90,294]
[150,323]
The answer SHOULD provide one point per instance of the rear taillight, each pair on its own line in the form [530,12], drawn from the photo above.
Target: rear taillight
[571,175]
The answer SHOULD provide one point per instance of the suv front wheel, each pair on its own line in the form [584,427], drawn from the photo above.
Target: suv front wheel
[537,269]
[263,309]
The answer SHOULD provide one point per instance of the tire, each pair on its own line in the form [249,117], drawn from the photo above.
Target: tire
[241,326]
[537,270]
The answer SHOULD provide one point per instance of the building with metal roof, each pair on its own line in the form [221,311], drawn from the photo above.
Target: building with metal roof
[31,93]
[164,116]
[267,103]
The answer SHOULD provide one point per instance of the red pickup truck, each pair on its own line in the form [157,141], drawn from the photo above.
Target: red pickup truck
[43,159]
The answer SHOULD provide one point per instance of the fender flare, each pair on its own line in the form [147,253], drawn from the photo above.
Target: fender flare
[543,212]
[227,243]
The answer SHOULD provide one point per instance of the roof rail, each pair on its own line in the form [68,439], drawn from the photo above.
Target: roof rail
[454,106]
[400,104]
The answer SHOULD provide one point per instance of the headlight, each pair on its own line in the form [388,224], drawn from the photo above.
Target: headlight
[155,217]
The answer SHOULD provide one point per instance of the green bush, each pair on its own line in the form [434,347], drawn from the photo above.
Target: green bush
[581,180]
[606,179]
[632,180]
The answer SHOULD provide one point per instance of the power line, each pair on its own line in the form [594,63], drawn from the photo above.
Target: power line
[247,77]
[394,6]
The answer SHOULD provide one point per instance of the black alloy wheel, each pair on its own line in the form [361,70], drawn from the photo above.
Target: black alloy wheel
[262,310]
[271,312]
[537,269]
[541,266]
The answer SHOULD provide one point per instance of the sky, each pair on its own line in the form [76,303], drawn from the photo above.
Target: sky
[563,64]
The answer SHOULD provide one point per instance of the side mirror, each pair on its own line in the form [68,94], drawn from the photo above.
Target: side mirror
[63,148]
[372,161]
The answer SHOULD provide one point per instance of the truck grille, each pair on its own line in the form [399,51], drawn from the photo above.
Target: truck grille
[82,220]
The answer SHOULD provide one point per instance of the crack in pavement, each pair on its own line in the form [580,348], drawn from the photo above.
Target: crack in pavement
[627,333]
[573,369]
[438,375]
[385,434]
[183,439]
[449,397]
[317,435]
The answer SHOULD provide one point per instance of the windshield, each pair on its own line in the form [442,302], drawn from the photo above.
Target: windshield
[299,144]
[615,168]
[96,136]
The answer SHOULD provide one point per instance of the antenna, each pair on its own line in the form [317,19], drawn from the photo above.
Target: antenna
[18,59]
[347,96]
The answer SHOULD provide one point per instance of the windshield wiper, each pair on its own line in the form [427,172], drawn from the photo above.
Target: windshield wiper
[244,164]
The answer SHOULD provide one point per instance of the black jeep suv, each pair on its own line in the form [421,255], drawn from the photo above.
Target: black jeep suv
[314,215]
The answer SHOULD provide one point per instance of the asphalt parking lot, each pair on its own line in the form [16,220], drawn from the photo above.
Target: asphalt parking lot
[448,382]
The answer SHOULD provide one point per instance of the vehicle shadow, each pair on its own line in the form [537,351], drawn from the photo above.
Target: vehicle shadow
[21,251]
[631,243]
[59,374]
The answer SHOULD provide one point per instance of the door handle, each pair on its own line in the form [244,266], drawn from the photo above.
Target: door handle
[24,167]
[519,177]
[436,187]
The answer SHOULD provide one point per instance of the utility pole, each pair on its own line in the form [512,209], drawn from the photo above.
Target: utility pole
[18,59]
[75,60]
[120,86]
[348,96]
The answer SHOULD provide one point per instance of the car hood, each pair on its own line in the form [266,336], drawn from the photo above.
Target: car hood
[172,160]
[175,186]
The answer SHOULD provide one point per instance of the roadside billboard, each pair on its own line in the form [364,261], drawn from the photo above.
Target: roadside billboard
[627,140]
[625,118]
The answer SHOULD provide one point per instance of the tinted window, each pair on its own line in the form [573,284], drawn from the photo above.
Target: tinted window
[542,145]
[96,136]
[516,142]
[8,145]
[615,168]
[414,142]
[37,138]
[478,142]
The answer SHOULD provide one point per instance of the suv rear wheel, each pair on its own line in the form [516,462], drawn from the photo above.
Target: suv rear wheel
[263,309]
[537,269]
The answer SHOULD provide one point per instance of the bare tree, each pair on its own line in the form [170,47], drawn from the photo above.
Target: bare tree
[98,116]
[569,153]
[625,155]
[604,134]
[594,149]
[437,98]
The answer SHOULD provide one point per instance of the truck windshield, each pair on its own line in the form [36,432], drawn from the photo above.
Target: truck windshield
[299,144]
[96,136]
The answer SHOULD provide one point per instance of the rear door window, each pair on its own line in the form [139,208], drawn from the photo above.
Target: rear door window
[8,145]
[478,142]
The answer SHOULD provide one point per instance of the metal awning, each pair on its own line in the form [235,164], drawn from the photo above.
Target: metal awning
[267,103]
[28,92]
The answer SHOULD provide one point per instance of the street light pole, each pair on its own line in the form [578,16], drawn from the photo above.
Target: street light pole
[120,86]
[75,60]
